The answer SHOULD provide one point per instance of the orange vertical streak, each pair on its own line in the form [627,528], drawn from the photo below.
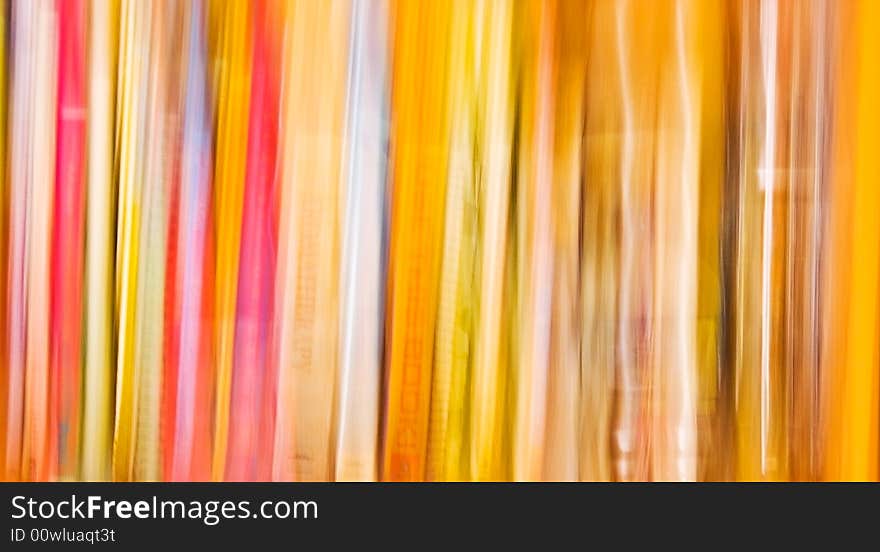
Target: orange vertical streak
[417,172]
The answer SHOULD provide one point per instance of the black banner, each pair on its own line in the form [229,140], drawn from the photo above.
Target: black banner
[285,515]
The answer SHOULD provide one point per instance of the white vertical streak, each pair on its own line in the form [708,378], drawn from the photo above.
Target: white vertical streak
[362,267]
[766,175]
[684,418]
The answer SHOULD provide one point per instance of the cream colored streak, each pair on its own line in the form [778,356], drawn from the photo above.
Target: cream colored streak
[674,444]
[766,177]
[624,431]
[315,70]
[494,192]
[294,43]
[34,453]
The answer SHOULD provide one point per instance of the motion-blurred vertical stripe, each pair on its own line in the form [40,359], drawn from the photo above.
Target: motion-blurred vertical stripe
[4,238]
[312,192]
[676,212]
[600,251]
[761,381]
[640,53]
[98,366]
[446,456]
[191,440]
[561,449]
[40,201]
[66,334]
[534,183]
[252,399]
[22,31]
[490,416]
[418,180]
[859,394]
[135,22]
[233,62]
[364,252]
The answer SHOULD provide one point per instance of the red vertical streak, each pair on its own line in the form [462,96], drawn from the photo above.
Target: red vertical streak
[253,378]
[67,250]
[168,412]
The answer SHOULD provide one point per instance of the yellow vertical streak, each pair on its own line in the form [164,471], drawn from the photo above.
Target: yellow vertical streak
[711,389]
[135,24]
[494,142]
[858,447]
[447,460]
[162,105]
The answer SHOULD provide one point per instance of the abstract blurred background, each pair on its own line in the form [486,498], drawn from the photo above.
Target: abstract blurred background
[440,240]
